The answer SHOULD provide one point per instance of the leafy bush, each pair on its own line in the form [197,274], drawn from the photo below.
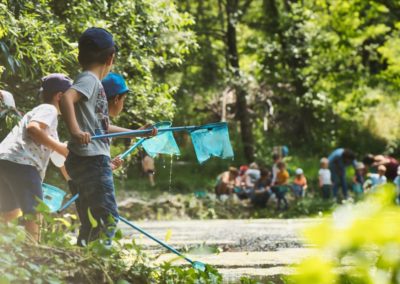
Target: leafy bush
[8,119]
[358,244]
[56,260]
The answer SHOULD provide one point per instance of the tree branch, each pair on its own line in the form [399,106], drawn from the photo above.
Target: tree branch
[244,8]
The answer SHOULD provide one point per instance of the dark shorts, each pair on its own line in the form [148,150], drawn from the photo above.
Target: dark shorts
[280,190]
[93,180]
[326,191]
[20,187]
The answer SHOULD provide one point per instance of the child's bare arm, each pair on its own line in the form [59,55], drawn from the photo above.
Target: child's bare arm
[36,130]
[116,129]
[68,100]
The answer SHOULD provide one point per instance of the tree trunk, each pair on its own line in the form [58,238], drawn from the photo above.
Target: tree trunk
[241,102]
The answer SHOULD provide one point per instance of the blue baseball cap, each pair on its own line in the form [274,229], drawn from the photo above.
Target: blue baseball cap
[98,37]
[114,85]
[55,83]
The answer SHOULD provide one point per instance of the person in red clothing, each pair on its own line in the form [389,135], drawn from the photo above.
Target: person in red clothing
[391,164]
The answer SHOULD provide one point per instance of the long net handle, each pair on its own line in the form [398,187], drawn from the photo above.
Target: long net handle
[69,203]
[133,147]
[148,131]
[155,239]
[143,132]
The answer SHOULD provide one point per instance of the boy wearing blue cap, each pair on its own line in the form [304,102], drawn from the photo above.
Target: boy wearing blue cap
[25,154]
[85,110]
[116,91]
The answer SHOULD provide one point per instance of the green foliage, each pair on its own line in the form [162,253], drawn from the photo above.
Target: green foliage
[330,69]
[39,37]
[8,119]
[358,244]
[56,260]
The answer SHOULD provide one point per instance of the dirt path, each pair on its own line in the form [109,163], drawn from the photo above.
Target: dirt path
[260,248]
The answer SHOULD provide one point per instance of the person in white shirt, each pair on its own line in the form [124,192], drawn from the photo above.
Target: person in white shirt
[325,180]
[25,154]
[276,159]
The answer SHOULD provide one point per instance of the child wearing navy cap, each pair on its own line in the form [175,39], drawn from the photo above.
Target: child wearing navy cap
[85,110]
[25,154]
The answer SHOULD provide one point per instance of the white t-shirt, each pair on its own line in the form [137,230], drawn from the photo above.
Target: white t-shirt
[377,180]
[252,175]
[325,175]
[19,148]
[7,98]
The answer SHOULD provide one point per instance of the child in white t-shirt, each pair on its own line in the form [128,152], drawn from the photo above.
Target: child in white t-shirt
[25,154]
[379,178]
[325,181]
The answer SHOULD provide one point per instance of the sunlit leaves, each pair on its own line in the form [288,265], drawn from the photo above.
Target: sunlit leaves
[153,37]
[359,242]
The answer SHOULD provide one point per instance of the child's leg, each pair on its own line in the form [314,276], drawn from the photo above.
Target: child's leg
[94,180]
[285,202]
[9,209]
[11,215]
[24,191]
[32,226]
[151,173]
[278,205]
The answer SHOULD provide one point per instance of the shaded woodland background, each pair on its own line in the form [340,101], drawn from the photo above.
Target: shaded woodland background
[310,74]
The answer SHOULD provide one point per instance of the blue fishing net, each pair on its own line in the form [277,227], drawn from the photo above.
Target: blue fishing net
[53,197]
[212,140]
[163,143]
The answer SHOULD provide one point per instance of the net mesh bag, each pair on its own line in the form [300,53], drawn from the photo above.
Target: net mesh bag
[53,197]
[212,140]
[163,143]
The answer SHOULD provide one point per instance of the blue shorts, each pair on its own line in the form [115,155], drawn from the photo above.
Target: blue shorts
[93,180]
[20,187]
[297,190]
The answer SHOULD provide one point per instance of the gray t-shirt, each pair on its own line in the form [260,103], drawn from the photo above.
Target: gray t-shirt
[92,115]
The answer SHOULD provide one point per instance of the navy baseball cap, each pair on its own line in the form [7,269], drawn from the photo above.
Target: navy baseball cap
[114,85]
[55,83]
[98,37]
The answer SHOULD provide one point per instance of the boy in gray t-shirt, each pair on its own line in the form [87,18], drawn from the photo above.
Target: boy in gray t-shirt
[85,111]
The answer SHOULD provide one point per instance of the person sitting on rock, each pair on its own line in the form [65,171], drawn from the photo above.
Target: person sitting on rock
[262,191]
[226,182]
[390,163]
[299,185]
[377,179]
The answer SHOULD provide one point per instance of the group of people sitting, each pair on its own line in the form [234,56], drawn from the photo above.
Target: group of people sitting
[259,185]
